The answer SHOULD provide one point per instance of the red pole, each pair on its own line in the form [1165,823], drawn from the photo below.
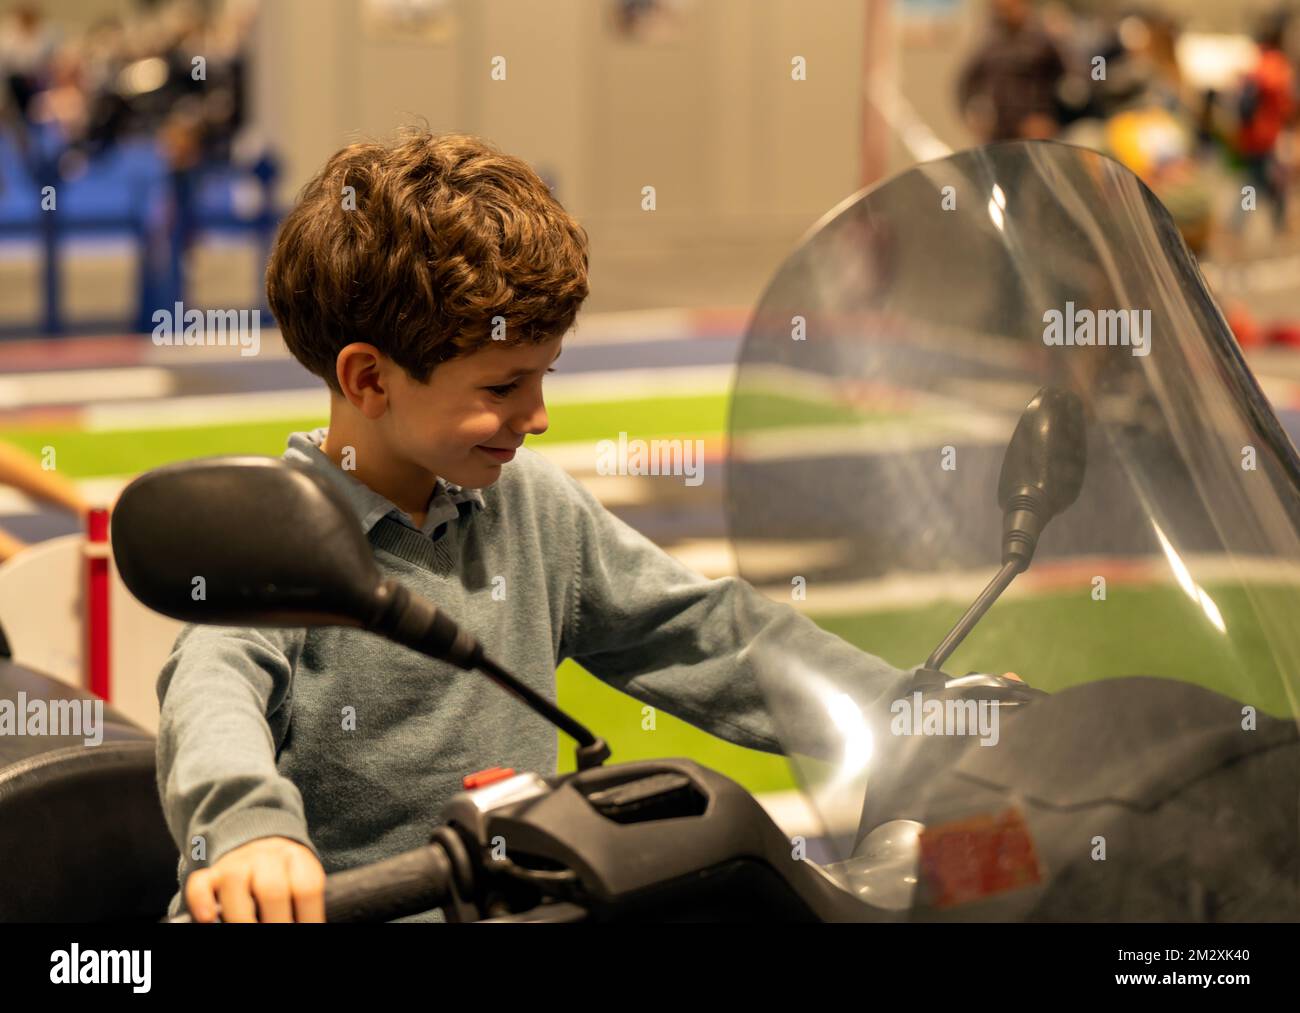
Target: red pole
[97,557]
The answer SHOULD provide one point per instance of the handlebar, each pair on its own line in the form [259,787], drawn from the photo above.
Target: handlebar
[405,884]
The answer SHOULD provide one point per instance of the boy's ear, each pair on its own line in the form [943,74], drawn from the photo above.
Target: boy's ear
[359,369]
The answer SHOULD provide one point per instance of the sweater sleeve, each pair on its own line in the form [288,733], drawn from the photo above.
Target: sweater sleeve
[715,653]
[225,696]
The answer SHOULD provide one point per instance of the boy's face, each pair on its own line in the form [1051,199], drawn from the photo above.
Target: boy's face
[466,422]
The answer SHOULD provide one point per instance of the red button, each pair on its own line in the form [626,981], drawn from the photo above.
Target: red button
[490,775]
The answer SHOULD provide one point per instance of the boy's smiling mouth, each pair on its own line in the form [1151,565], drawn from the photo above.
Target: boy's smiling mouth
[499,454]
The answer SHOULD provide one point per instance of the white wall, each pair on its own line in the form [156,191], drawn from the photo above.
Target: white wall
[741,155]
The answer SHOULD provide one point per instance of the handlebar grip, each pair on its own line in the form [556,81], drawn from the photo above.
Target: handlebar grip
[405,884]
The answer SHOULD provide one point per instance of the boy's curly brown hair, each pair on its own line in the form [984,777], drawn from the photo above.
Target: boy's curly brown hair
[447,233]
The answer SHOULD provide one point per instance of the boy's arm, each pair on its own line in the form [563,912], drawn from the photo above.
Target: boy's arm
[713,652]
[225,695]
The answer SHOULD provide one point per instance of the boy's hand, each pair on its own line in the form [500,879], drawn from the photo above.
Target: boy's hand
[271,879]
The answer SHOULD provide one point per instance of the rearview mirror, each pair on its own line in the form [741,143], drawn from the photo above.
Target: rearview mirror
[244,541]
[1042,470]
[1047,453]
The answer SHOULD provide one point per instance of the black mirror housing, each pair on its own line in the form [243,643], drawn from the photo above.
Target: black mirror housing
[246,541]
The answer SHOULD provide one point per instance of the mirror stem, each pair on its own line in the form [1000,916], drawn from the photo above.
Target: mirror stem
[415,622]
[591,752]
[1001,580]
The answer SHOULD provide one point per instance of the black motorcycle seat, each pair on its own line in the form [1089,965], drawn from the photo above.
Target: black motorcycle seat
[82,834]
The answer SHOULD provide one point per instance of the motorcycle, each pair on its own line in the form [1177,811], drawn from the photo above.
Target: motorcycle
[1012,339]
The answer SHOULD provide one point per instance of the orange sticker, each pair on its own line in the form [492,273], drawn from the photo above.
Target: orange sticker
[976,857]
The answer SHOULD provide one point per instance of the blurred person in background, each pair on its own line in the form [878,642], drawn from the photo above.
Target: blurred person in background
[27,45]
[1267,108]
[1141,114]
[62,104]
[104,52]
[143,78]
[1008,87]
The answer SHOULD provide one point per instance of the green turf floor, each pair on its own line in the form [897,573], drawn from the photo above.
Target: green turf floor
[81,454]
[1053,641]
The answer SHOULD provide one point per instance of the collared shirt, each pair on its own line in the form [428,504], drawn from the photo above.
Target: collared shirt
[444,505]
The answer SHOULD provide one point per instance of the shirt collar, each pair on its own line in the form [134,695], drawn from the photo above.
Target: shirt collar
[371,507]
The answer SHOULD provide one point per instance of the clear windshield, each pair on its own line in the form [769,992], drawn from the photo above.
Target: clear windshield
[883,374]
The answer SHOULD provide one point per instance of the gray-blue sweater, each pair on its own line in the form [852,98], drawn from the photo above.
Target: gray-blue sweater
[352,745]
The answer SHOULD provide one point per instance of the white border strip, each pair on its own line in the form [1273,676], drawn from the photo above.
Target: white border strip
[73,386]
[206,409]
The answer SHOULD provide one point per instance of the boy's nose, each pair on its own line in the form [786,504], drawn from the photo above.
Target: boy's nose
[532,423]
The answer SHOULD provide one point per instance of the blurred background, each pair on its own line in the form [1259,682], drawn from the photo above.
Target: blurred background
[149,148]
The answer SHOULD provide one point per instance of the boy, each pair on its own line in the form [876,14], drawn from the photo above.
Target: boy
[429,284]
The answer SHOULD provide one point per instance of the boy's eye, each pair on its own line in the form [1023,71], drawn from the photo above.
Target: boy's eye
[504,390]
